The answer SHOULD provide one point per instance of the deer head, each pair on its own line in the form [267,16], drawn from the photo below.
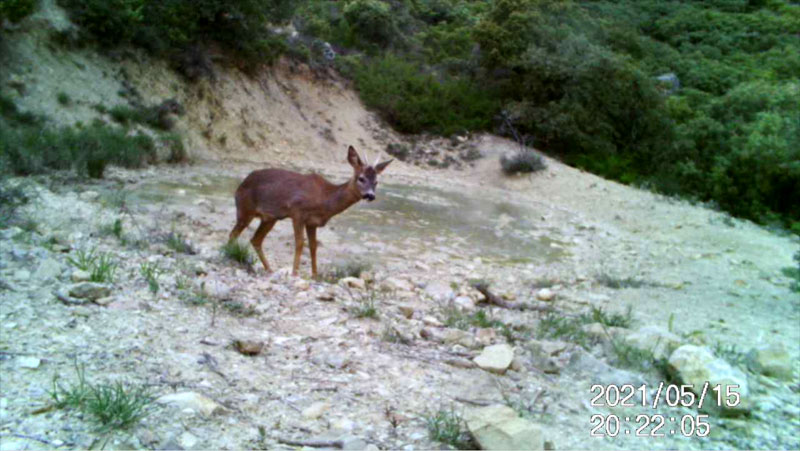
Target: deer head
[365,178]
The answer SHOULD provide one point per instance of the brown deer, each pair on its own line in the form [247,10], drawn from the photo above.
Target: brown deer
[309,199]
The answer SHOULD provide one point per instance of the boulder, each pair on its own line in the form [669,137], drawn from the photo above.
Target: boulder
[499,427]
[656,339]
[439,291]
[495,358]
[89,290]
[772,360]
[192,400]
[696,365]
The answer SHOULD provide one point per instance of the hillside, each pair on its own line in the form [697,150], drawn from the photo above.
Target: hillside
[119,277]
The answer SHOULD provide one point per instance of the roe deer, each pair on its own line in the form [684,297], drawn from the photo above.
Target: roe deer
[310,200]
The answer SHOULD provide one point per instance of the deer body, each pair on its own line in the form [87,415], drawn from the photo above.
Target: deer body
[308,199]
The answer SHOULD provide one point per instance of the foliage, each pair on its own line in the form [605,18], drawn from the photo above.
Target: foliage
[522,162]
[150,272]
[177,28]
[598,315]
[16,10]
[101,267]
[113,406]
[237,252]
[555,326]
[178,242]
[447,426]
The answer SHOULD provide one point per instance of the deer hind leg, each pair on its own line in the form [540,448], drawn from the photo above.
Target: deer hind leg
[241,224]
[298,244]
[258,238]
[311,231]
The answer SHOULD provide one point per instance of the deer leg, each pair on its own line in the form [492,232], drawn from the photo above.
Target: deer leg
[311,231]
[298,244]
[241,224]
[258,238]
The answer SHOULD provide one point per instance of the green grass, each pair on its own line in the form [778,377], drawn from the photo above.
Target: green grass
[63,99]
[237,252]
[111,405]
[617,283]
[794,273]
[598,315]
[150,272]
[730,353]
[365,307]
[239,309]
[178,243]
[114,229]
[456,318]
[554,326]
[447,427]
[337,271]
[101,267]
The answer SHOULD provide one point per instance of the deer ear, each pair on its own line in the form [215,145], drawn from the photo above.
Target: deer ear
[381,166]
[353,158]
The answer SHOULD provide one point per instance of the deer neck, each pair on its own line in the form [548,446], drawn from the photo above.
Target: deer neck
[343,196]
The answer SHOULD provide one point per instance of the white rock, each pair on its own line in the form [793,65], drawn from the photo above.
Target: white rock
[89,195]
[80,276]
[498,427]
[192,400]
[89,290]
[495,358]
[696,365]
[772,360]
[216,289]
[301,284]
[439,291]
[545,294]
[315,410]
[188,440]
[29,362]
[396,284]
[464,303]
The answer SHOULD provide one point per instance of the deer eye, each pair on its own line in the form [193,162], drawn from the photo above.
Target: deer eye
[362,179]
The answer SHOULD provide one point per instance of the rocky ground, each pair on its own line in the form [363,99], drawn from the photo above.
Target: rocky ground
[324,367]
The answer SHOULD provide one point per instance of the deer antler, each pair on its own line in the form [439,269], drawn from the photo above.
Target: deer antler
[366,155]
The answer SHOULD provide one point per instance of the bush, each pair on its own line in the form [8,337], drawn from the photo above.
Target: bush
[371,21]
[414,102]
[522,162]
[16,10]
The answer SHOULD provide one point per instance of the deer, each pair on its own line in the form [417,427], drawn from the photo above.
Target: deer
[308,199]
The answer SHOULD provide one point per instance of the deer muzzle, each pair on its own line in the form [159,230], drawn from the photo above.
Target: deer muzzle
[369,196]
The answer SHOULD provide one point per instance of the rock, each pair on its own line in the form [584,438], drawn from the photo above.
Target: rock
[495,358]
[336,361]
[600,332]
[547,347]
[89,195]
[80,276]
[670,81]
[192,400]
[89,290]
[459,362]
[406,310]
[422,266]
[395,284]
[216,289]
[656,339]
[301,284]
[545,294]
[249,347]
[315,410]
[458,336]
[353,282]
[188,440]
[772,360]
[48,269]
[696,365]
[486,336]
[464,303]
[21,275]
[30,363]
[432,321]
[498,427]
[104,300]
[439,291]
[326,296]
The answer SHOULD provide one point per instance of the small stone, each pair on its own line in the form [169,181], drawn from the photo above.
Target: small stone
[422,266]
[48,269]
[656,339]
[326,296]
[396,284]
[104,300]
[406,310]
[22,274]
[439,291]
[80,276]
[545,294]
[30,363]
[464,303]
[772,360]
[192,400]
[89,195]
[188,440]
[486,336]
[495,358]
[216,289]
[301,284]
[89,290]
[249,347]
[432,321]
[315,410]
[353,282]
[499,427]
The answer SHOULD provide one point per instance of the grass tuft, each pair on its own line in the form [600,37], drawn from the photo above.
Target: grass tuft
[178,242]
[598,315]
[150,272]
[617,283]
[341,270]
[522,162]
[447,426]
[237,252]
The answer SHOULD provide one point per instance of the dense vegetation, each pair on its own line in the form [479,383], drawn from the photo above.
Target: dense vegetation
[577,78]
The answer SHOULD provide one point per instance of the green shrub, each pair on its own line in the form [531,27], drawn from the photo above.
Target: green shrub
[16,10]
[237,252]
[413,101]
[447,426]
[371,21]
[63,98]
[522,162]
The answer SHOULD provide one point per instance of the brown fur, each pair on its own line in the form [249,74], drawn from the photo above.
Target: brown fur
[308,199]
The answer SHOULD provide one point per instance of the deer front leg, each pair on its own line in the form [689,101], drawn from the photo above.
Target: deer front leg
[298,244]
[311,231]
[258,238]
